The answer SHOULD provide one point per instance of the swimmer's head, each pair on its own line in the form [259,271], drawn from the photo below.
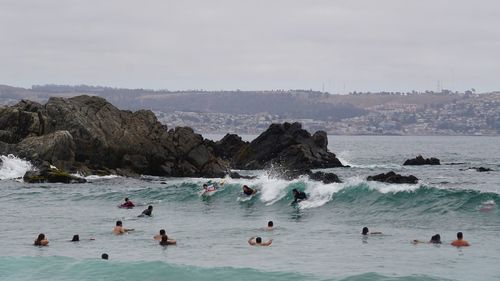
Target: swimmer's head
[205,185]
[119,223]
[436,239]
[126,199]
[245,186]
[150,207]
[270,224]
[104,256]
[460,235]
[162,232]
[76,238]
[258,240]
[365,231]
[41,236]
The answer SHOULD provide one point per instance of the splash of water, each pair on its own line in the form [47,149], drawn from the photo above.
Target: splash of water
[12,167]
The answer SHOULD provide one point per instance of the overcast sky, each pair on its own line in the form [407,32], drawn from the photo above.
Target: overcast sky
[350,45]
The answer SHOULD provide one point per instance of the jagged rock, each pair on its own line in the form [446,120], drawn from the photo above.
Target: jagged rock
[419,160]
[46,173]
[235,175]
[105,139]
[57,148]
[326,178]
[392,177]
[481,169]
[286,145]
[228,146]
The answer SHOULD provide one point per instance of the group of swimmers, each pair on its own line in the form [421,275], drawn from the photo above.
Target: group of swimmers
[435,239]
[164,240]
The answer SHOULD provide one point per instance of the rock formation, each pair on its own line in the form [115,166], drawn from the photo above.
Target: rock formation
[286,145]
[419,160]
[392,177]
[87,134]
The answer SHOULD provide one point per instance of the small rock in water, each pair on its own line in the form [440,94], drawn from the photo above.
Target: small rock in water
[392,177]
[419,160]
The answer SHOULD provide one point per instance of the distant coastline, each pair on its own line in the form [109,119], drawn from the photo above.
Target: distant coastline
[443,113]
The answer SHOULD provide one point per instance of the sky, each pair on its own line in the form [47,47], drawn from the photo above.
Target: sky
[338,46]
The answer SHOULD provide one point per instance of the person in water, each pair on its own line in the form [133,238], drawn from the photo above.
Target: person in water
[298,195]
[270,225]
[166,241]
[460,242]
[248,191]
[127,204]
[365,231]
[119,229]
[257,241]
[104,256]
[435,239]
[148,212]
[41,240]
[76,238]
[210,188]
[159,236]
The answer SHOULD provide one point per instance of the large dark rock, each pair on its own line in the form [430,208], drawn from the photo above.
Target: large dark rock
[100,138]
[326,178]
[229,146]
[419,160]
[392,177]
[48,173]
[286,145]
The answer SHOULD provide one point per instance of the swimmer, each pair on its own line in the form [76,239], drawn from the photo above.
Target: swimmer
[248,191]
[41,240]
[298,195]
[460,242]
[209,188]
[148,212]
[435,239]
[257,241]
[127,204]
[76,238]
[165,241]
[104,256]
[365,231]
[159,236]
[270,225]
[118,230]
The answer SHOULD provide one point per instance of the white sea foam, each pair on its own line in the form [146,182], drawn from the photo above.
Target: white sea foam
[12,167]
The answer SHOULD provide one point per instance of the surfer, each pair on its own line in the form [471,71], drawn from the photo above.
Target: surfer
[210,188]
[298,195]
[41,240]
[119,229]
[365,231]
[165,241]
[435,239]
[127,204]
[148,212]
[460,242]
[158,236]
[248,191]
[257,241]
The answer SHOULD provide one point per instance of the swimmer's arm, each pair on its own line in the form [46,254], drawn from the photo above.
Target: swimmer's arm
[44,242]
[128,229]
[250,241]
[268,243]
[376,232]
[171,242]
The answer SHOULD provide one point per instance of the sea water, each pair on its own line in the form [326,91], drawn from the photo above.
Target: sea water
[318,239]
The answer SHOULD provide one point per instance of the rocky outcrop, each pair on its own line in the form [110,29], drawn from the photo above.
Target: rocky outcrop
[419,160]
[392,177]
[48,173]
[90,135]
[87,134]
[287,174]
[286,145]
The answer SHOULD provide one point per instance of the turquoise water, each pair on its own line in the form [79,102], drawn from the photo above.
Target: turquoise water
[317,240]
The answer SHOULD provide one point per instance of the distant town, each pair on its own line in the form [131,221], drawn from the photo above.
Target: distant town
[251,112]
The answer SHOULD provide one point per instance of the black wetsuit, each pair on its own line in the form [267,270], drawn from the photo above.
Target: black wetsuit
[299,196]
[147,212]
[248,191]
